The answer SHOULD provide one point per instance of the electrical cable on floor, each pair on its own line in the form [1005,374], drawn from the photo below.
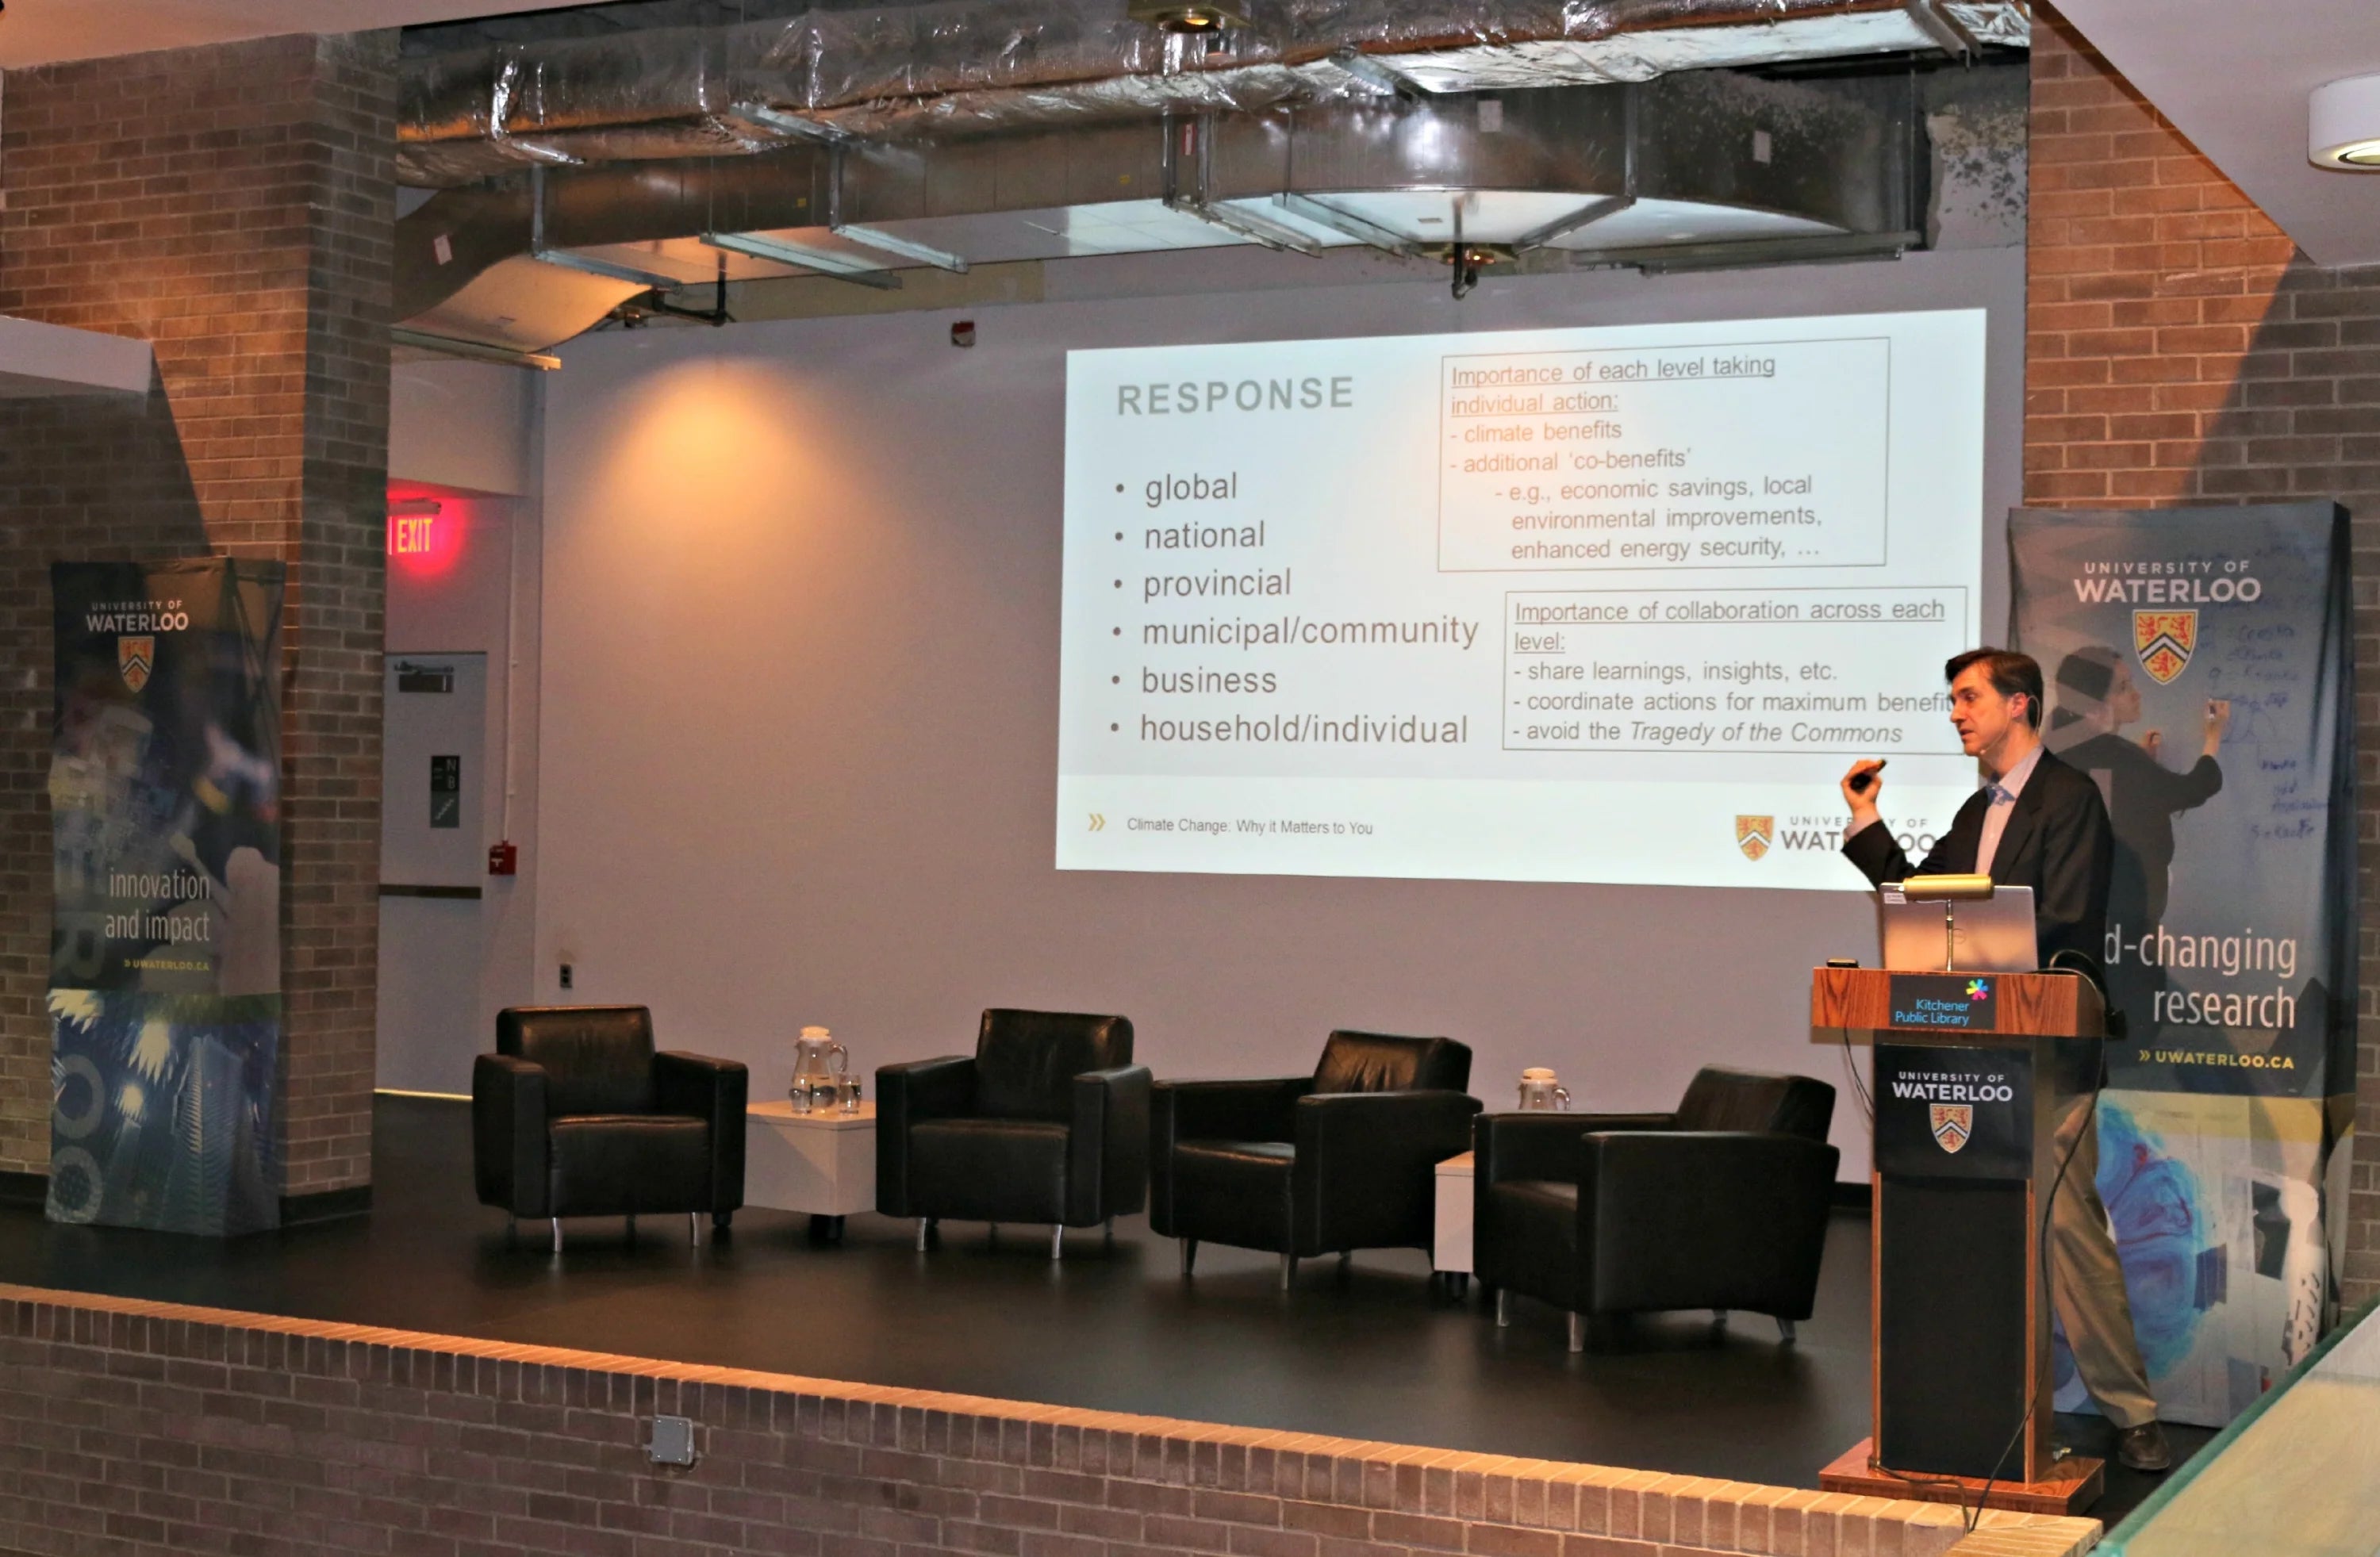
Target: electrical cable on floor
[1859,1088]
[1913,1479]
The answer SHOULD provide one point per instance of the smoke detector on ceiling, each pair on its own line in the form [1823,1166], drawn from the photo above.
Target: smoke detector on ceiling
[2343,124]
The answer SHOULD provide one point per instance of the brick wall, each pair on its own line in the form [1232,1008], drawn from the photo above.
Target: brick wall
[2179,350]
[334,728]
[231,205]
[141,1427]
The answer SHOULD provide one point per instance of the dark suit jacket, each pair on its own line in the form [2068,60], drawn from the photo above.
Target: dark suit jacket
[2057,842]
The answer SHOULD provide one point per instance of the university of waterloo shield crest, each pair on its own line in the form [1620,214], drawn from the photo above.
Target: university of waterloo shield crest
[1953,1123]
[136,655]
[2164,640]
[1755,834]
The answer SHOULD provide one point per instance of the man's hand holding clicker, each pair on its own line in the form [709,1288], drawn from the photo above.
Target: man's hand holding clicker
[1862,801]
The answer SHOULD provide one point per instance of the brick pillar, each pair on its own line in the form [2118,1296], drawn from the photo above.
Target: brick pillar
[2179,350]
[232,205]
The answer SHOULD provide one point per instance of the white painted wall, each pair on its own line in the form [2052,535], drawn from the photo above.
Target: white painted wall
[800,660]
[467,425]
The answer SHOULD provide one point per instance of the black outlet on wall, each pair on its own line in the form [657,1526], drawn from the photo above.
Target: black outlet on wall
[565,976]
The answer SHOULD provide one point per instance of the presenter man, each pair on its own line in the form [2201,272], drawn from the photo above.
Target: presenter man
[2038,823]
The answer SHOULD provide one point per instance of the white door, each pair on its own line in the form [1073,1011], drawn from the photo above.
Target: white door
[433,863]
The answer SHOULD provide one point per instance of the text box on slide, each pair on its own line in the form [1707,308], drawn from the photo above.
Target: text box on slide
[1614,604]
[1742,670]
[1773,453]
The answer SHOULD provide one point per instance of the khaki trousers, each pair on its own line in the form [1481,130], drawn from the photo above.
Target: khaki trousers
[2086,1284]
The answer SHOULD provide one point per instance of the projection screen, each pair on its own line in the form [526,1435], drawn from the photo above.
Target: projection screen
[1584,605]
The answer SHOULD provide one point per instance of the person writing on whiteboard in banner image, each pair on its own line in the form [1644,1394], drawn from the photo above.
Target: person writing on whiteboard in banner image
[2037,822]
[2092,701]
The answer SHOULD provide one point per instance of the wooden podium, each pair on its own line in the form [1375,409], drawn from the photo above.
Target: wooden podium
[1964,1162]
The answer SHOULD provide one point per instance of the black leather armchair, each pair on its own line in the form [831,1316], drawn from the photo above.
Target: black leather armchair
[1048,1122]
[575,1114]
[1720,1205]
[1340,1160]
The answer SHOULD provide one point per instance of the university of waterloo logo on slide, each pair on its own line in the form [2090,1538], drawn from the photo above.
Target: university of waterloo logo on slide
[135,658]
[1953,1123]
[1755,834]
[2164,640]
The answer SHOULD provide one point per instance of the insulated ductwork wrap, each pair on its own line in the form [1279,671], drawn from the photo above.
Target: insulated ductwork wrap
[959,68]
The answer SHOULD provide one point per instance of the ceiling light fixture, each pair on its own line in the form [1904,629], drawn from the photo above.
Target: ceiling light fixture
[2343,124]
[1194,17]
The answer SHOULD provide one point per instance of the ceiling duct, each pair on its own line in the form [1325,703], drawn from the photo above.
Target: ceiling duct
[988,66]
[1641,173]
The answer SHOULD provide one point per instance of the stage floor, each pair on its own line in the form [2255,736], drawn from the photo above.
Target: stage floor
[1369,1354]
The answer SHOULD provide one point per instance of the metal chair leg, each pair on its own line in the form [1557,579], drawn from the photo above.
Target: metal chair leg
[1577,1331]
[1718,1319]
[1189,1254]
[1785,1331]
[1057,1241]
[557,1235]
[1504,1308]
[1107,1233]
[1288,1271]
[694,1229]
[925,1231]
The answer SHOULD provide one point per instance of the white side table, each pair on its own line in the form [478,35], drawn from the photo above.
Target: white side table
[1450,1246]
[822,1163]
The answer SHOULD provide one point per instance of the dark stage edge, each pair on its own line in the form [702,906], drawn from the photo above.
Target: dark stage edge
[1369,1354]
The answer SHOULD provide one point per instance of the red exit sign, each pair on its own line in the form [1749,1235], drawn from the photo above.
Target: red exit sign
[426,535]
[413,535]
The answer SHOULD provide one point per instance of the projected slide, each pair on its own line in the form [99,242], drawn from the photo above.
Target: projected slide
[1610,605]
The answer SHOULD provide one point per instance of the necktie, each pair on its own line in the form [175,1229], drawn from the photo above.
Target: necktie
[1996,812]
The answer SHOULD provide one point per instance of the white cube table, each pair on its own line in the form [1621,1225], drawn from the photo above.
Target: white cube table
[822,1163]
[1450,1246]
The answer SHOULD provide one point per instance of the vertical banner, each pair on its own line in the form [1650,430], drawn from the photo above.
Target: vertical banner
[166,941]
[2198,664]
